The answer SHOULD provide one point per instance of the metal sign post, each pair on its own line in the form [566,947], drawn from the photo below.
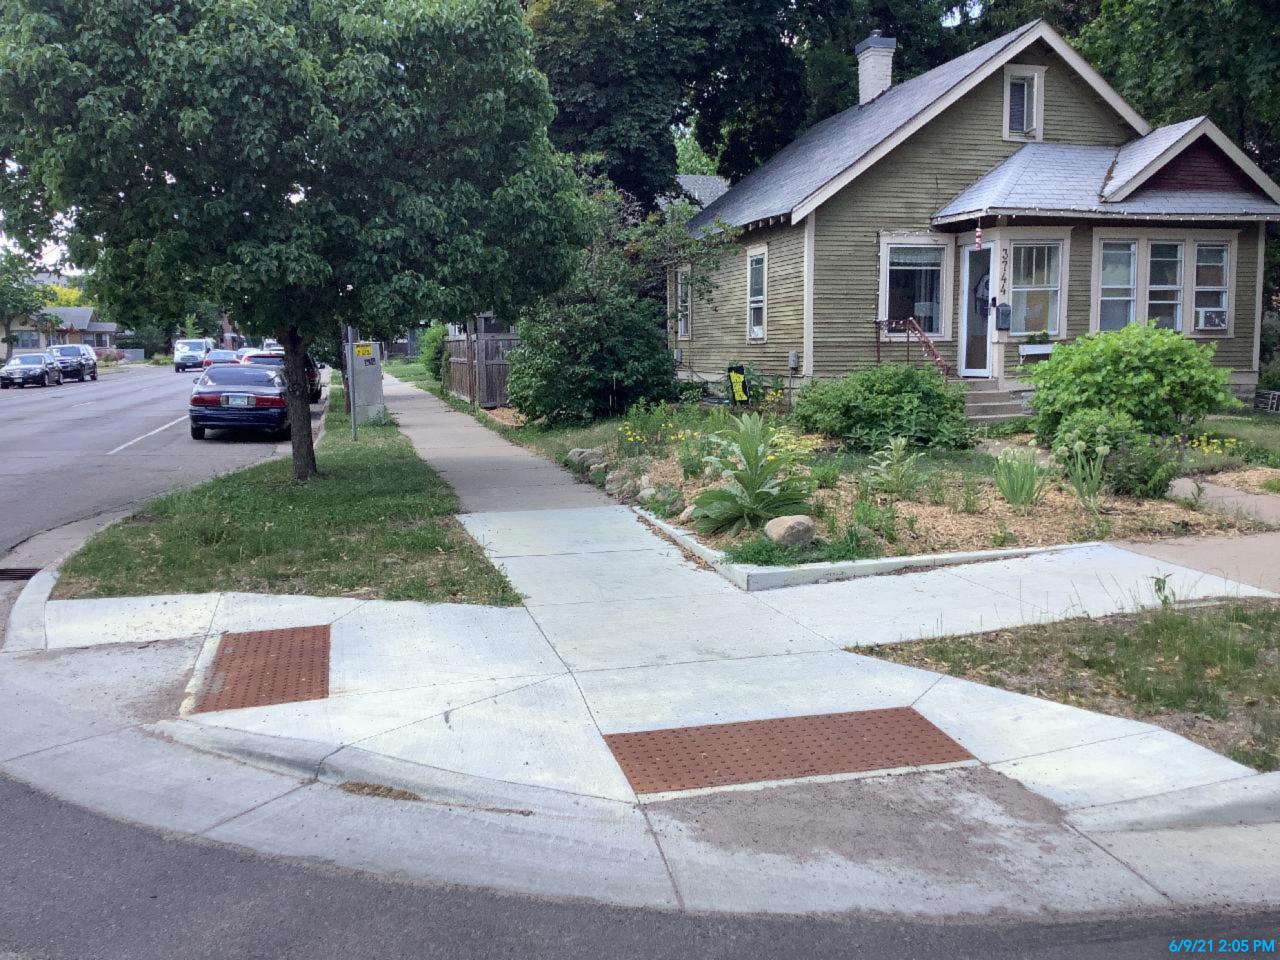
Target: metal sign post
[349,349]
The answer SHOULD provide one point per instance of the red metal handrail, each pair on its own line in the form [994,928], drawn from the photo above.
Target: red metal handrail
[911,328]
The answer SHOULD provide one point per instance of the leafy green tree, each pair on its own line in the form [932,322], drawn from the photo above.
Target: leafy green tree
[1181,58]
[21,298]
[615,72]
[690,157]
[1178,59]
[598,345]
[304,162]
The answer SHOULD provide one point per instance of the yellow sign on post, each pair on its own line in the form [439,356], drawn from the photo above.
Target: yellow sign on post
[364,349]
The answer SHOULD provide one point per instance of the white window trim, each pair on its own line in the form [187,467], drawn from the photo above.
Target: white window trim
[684,272]
[1227,280]
[947,243]
[1036,72]
[1181,287]
[1006,238]
[1136,247]
[753,252]
[1143,237]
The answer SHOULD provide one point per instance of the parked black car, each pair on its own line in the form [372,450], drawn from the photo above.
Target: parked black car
[30,370]
[76,361]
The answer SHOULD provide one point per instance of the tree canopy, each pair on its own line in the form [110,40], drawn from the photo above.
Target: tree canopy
[304,162]
[21,298]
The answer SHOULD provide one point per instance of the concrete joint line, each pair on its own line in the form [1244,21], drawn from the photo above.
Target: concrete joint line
[677,663]
[666,864]
[441,713]
[1124,866]
[69,743]
[252,809]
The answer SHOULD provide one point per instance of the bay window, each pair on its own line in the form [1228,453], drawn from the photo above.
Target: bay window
[1036,284]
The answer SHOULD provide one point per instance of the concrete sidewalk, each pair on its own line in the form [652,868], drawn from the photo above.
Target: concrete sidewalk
[495,719]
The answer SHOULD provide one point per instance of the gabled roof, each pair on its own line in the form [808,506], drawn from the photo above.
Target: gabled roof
[1064,179]
[72,318]
[1143,158]
[829,155]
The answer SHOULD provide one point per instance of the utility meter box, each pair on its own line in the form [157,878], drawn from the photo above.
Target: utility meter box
[366,381]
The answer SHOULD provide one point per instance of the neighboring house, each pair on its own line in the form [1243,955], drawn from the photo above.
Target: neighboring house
[1006,197]
[75,325]
[696,188]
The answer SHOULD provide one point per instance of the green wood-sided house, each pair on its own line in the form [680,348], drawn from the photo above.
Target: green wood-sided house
[999,203]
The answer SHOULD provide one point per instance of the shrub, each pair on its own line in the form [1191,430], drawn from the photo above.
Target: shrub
[1269,378]
[431,352]
[759,481]
[1141,466]
[1163,380]
[1097,427]
[871,406]
[1019,479]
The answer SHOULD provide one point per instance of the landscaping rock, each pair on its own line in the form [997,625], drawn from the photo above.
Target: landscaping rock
[687,513]
[646,494]
[796,531]
[619,484]
[645,481]
[585,456]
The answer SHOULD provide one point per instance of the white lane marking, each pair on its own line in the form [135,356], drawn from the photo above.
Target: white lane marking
[145,435]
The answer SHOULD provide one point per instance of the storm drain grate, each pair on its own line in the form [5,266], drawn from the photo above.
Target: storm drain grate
[18,573]
[268,666]
[754,751]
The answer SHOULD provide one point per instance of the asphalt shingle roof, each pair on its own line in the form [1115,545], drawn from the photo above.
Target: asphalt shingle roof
[1070,178]
[1135,155]
[829,148]
[702,188]
[72,318]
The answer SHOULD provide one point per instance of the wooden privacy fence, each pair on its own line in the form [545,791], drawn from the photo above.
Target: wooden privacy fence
[477,369]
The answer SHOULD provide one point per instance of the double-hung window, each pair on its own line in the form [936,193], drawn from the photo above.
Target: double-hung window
[1023,102]
[27,339]
[1178,279]
[1164,285]
[1211,286]
[684,303]
[1037,287]
[915,285]
[1119,284]
[757,292]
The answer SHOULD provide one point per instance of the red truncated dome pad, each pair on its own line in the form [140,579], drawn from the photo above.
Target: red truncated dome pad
[268,666]
[754,751]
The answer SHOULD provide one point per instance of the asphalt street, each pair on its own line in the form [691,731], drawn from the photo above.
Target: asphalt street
[81,449]
[78,886]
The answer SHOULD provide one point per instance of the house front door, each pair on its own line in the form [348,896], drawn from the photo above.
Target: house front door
[976,337]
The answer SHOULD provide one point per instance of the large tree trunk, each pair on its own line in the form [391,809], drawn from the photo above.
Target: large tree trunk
[297,389]
[8,340]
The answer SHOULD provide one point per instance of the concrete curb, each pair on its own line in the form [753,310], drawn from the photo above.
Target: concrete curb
[26,630]
[750,577]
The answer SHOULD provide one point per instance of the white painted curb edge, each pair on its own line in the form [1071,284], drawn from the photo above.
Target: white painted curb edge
[751,578]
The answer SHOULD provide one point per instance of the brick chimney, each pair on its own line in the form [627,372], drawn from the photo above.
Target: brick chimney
[875,65]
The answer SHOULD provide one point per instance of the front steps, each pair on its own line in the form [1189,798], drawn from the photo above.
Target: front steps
[985,402]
